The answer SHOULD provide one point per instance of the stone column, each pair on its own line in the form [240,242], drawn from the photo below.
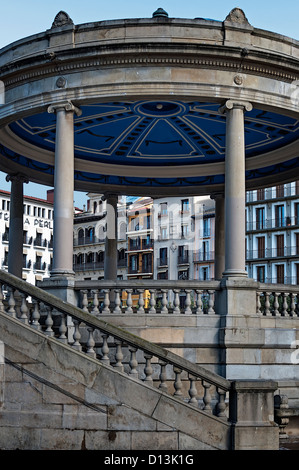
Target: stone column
[15,252]
[63,189]
[219,235]
[110,262]
[235,188]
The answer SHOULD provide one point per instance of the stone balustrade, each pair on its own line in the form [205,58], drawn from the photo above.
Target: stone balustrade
[113,346]
[277,300]
[147,297]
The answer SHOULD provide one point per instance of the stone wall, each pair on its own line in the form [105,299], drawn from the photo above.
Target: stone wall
[57,398]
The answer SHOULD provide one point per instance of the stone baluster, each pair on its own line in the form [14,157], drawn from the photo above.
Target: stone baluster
[148,370]
[163,376]
[211,310]
[176,301]
[35,316]
[119,356]
[84,300]
[192,390]
[90,343]
[129,309]
[285,305]
[63,329]
[188,310]
[141,302]
[276,304]
[267,304]
[95,311]
[164,301]
[292,306]
[77,336]
[105,350]
[24,309]
[133,362]
[117,302]
[207,397]
[199,310]
[152,310]
[221,406]
[106,309]
[49,323]
[11,303]
[178,383]
[258,303]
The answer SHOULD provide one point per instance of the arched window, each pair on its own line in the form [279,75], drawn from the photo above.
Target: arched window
[89,258]
[90,234]
[80,258]
[80,236]
[95,207]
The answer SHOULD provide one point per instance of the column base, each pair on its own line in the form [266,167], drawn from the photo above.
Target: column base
[229,273]
[62,273]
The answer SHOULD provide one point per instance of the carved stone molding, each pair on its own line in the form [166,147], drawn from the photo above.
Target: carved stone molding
[66,106]
[62,19]
[237,15]
[17,177]
[231,104]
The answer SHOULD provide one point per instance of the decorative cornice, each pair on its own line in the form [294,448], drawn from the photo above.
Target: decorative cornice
[58,68]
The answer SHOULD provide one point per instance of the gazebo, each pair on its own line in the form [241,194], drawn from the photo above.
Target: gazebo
[157,107]
[151,106]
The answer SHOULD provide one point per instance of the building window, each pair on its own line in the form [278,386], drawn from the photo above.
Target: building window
[279,216]
[280,273]
[185,205]
[163,275]
[280,245]
[183,275]
[183,255]
[260,194]
[206,227]
[163,257]
[260,271]
[260,218]
[133,264]
[261,247]
[163,209]
[280,190]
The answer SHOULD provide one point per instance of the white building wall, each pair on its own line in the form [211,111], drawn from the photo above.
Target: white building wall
[38,233]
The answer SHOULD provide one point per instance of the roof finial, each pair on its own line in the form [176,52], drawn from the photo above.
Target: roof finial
[160,12]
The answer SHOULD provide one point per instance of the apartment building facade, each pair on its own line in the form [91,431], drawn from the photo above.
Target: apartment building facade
[37,236]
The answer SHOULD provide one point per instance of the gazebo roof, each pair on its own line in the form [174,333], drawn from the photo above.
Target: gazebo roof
[149,92]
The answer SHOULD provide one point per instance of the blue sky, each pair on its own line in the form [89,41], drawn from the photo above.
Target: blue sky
[21,18]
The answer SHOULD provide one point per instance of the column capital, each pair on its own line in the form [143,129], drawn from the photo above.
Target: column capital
[66,106]
[17,177]
[231,104]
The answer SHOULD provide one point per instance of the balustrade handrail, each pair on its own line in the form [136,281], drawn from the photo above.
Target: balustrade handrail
[148,284]
[78,315]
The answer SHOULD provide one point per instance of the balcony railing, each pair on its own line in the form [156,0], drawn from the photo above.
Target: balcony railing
[266,224]
[88,241]
[285,251]
[200,256]
[183,259]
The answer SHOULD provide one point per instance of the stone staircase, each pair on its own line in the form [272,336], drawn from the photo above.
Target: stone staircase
[69,380]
